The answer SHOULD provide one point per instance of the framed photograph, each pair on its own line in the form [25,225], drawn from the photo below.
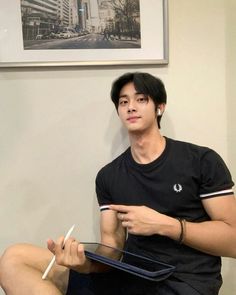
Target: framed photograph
[83,32]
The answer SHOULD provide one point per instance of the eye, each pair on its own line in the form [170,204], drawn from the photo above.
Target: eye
[142,99]
[123,102]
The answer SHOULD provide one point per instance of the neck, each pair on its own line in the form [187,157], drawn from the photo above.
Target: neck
[147,147]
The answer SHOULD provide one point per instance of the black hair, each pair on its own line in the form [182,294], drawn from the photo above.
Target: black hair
[144,83]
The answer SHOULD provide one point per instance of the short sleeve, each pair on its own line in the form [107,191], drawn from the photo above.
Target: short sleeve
[215,176]
[102,190]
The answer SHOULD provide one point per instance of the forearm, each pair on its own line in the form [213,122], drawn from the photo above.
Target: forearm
[92,266]
[112,235]
[107,252]
[212,237]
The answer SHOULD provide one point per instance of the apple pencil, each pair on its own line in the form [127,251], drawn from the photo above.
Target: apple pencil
[54,257]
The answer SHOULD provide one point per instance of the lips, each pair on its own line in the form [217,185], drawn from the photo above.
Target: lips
[133,118]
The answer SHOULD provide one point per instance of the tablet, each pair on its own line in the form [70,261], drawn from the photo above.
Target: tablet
[136,264]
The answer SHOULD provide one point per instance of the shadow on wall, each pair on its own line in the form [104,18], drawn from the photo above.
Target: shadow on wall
[228,274]
[167,126]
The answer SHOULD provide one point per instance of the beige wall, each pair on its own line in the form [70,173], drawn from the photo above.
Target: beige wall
[58,127]
[229,264]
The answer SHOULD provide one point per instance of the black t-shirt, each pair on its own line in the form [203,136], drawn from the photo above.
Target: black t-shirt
[174,184]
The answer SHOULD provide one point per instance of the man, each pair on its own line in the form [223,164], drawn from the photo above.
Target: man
[164,199]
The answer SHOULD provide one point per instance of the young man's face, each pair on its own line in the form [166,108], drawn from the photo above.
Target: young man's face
[136,111]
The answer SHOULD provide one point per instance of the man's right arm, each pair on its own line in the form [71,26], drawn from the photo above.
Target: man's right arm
[113,234]
[72,254]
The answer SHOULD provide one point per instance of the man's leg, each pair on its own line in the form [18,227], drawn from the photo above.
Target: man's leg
[176,287]
[21,269]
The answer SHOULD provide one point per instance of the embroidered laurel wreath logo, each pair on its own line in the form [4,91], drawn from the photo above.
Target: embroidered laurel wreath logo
[178,188]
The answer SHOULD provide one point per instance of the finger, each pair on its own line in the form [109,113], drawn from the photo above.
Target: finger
[125,224]
[130,230]
[51,245]
[58,250]
[122,216]
[128,226]
[67,244]
[81,254]
[80,250]
[120,208]
[65,254]
[59,244]
[74,248]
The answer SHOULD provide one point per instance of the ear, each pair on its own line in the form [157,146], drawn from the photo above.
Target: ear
[161,109]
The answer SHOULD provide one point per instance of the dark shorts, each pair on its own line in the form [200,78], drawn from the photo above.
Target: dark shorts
[121,283]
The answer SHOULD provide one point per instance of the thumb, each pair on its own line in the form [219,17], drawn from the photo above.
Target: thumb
[51,245]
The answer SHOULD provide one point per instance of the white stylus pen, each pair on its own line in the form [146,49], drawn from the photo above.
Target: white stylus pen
[54,257]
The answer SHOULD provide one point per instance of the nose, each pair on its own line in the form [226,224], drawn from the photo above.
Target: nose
[131,107]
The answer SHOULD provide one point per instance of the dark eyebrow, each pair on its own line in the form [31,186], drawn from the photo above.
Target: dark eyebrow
[123,96]
[141,93]
[136,93]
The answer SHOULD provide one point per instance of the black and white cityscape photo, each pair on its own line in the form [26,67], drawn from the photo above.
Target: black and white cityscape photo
[80,24]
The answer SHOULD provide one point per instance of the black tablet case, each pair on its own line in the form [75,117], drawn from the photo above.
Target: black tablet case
[159,270]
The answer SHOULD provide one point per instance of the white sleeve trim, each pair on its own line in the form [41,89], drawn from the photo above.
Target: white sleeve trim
[104,207]
[219,193]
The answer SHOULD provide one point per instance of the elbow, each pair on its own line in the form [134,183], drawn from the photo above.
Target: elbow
[231,249]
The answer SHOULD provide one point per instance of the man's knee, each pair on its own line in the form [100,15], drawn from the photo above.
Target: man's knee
[7,263]
[11,257]
[19,255]
[26,258]
[14,254]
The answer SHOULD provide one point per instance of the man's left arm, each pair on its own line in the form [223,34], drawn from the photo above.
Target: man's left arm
[217,236]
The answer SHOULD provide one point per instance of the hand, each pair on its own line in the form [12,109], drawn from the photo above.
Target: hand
[71,254]
[140,220]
